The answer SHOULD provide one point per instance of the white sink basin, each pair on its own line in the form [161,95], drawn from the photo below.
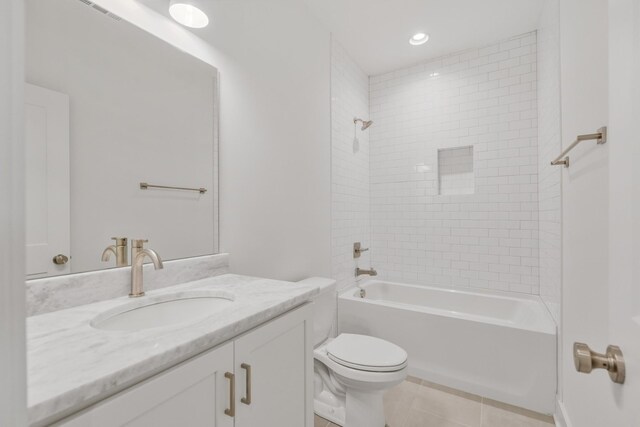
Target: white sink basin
[163,311]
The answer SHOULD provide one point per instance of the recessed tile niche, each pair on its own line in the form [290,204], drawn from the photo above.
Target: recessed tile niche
[455,171]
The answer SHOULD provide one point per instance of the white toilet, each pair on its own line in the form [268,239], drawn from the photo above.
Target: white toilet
[351,371]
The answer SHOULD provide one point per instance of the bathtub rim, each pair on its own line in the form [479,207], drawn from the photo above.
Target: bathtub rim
[546,324]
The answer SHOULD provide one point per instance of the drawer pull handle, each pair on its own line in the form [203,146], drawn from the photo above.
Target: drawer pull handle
[232,394]
[247,400]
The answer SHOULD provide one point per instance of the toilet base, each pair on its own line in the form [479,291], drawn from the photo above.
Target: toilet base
[332,413]
[351,397]
[350,407]
[365,409]
[336,415]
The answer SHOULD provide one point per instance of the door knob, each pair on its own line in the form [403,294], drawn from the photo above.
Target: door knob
[60,259]
[587,360]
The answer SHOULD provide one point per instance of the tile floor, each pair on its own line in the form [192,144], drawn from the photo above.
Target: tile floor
[416,403]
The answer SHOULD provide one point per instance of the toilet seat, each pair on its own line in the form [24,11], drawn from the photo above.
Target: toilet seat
[366,353]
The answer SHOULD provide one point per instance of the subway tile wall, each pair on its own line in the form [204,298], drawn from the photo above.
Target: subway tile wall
[485,98]
[350,209]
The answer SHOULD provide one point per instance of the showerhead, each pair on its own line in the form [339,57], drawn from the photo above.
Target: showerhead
[365,123]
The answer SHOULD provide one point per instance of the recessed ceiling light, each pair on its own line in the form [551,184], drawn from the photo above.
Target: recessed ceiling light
[188,14]
[419,38]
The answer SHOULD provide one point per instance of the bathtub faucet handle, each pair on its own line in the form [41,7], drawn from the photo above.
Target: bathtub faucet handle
[358,249]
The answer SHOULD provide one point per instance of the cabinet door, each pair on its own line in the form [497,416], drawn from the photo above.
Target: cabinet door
[194,394]
[279,357]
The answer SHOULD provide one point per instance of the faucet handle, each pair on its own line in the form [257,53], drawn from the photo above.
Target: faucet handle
[120,241]
[138,243]
[358,249]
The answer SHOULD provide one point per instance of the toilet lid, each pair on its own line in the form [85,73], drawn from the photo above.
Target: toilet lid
[366,353]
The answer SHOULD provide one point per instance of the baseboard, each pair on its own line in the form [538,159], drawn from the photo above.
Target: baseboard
[560,417]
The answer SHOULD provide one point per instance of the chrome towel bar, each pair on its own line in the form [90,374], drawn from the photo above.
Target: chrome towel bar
[145,186]
[600,136]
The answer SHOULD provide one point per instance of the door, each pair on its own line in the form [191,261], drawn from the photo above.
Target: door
[624,204]
[47,182]
[193,394]
[601,207]
[274,373]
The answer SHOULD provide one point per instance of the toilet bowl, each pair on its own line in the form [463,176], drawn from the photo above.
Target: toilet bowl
[351,372]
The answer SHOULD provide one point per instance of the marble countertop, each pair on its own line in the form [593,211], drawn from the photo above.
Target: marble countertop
[71,365]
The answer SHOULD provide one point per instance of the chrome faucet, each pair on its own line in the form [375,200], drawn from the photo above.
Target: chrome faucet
[119,250]
[138,254]
[370,272]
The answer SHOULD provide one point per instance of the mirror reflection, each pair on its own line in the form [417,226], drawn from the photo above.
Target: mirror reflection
[115,118]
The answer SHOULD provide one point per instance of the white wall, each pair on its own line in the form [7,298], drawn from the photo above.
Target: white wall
[274,63]
[349,167]
[480,97]
[275,140]
[585,208]
[140,110]
[549,146]
[13,393]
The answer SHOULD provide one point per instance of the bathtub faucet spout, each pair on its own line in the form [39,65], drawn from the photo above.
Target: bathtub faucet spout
[371,272]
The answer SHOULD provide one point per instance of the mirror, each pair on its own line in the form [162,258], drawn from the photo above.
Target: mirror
[108,107]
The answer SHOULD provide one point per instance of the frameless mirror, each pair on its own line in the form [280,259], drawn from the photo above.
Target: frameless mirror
[110,107]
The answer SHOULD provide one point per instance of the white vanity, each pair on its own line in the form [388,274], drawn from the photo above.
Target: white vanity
[247,363]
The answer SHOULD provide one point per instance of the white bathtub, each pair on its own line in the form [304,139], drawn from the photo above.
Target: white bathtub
[494,345]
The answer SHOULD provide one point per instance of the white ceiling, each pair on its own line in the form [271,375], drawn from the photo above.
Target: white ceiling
[376,32]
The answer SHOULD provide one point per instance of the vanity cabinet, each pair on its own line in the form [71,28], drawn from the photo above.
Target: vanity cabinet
[261,378]
[193,393]
[274,374]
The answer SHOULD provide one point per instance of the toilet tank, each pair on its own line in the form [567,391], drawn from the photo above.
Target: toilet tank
[324,310]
